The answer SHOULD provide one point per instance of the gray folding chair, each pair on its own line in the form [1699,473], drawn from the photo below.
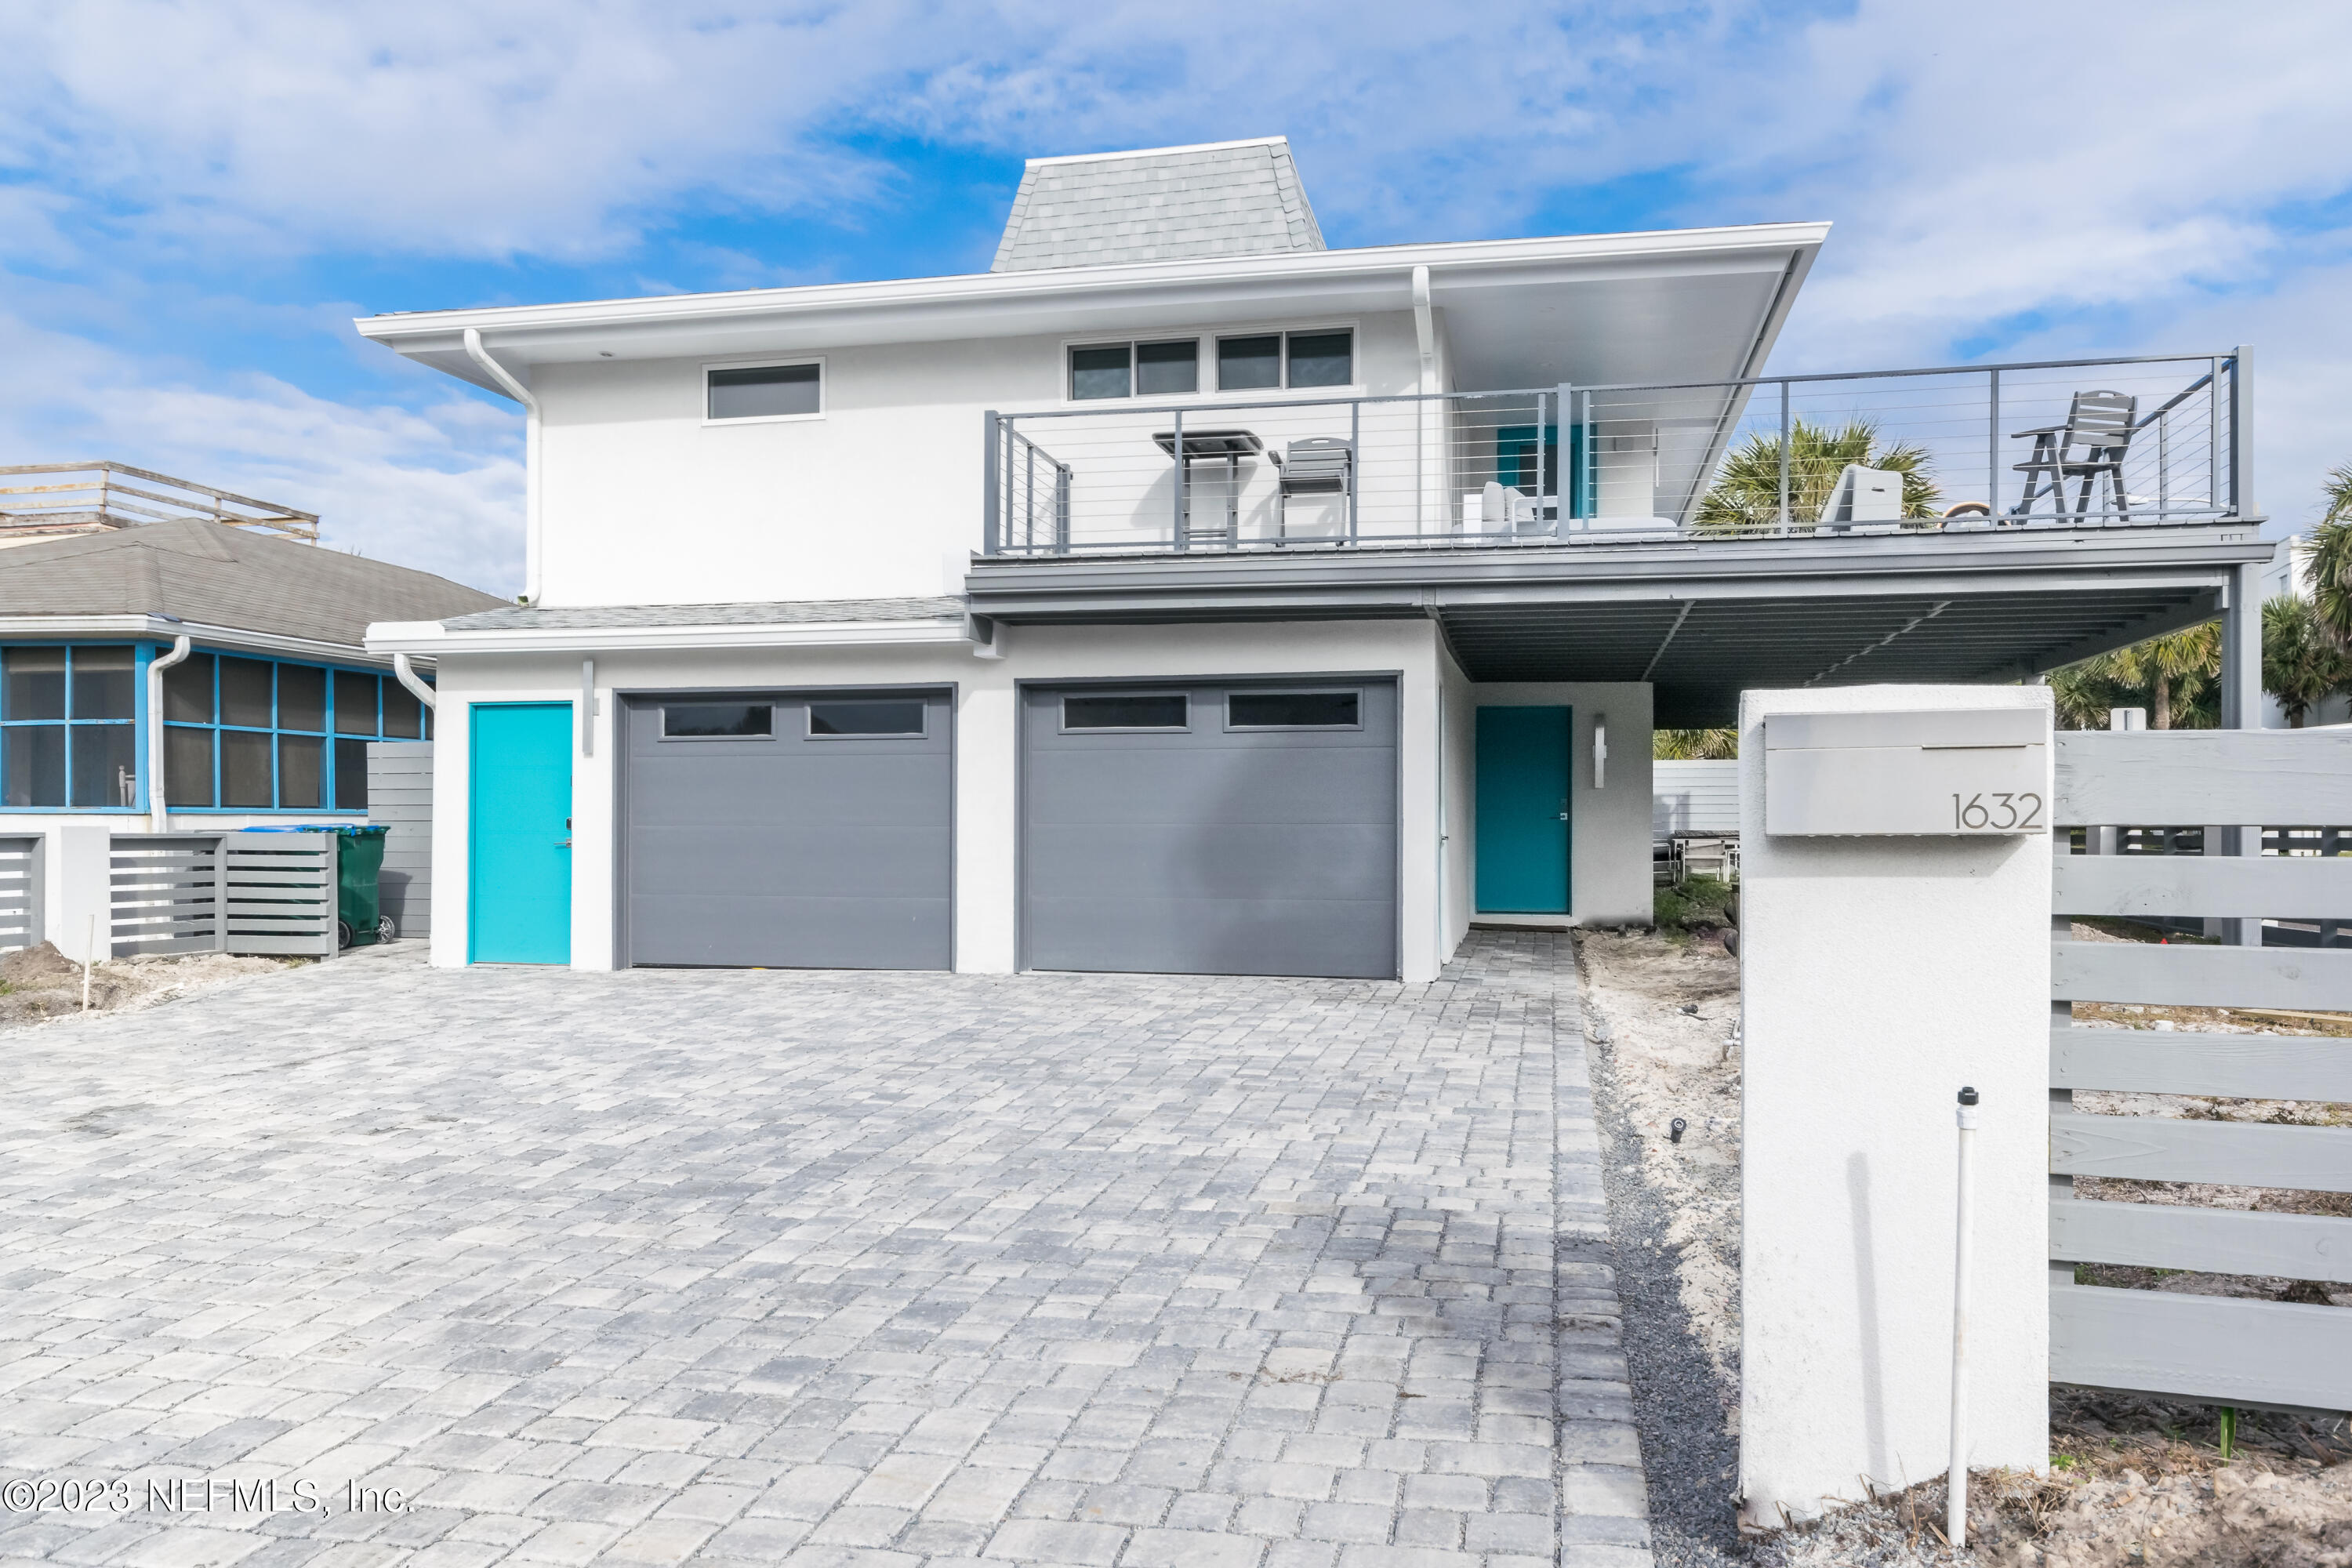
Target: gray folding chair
[1320,466]
[2090,446]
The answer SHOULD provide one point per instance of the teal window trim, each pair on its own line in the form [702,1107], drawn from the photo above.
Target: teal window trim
[12,728]
[327,735]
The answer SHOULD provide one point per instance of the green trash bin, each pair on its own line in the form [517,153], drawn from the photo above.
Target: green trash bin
[360,919]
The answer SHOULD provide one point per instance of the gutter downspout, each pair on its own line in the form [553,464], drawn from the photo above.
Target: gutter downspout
[1424,332]
[408,677]
[159,814]
[530,443]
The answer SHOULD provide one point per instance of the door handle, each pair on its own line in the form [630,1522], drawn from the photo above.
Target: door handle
[563,844]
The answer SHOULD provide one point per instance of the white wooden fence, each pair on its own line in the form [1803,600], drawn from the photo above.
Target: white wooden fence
[224,892]
[2210,1348]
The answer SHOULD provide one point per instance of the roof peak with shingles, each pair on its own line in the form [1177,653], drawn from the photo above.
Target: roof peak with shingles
[1167,204]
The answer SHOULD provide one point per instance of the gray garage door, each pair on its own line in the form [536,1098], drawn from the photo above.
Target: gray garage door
[1212,829]
[792,830]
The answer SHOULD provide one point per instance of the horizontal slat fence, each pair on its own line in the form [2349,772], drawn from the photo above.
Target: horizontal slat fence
[23,867]
[2225,1350]
[279,892]
[235,893]
[165,893]
[400,799]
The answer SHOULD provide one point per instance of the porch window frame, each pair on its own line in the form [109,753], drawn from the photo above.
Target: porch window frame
[12,727]
[329,736]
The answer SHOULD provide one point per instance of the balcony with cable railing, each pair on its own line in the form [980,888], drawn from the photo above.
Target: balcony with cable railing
[2141,443]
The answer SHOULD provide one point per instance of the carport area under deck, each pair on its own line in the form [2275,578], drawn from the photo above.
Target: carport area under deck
[1700,620]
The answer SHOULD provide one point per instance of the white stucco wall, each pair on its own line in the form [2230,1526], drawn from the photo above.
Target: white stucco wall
[644,503]
[1878,976]
[1609,840]
[1458,783]
[986,750]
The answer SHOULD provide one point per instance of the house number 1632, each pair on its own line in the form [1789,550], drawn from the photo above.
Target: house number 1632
[2007,813]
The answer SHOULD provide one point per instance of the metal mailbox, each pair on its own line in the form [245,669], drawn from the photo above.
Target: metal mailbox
[1955,775]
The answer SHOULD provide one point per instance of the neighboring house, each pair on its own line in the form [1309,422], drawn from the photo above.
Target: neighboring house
[2290,573]
[1183,595]
[265,700]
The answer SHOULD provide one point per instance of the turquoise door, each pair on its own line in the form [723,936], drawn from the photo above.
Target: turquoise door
[519,806]
[1523,809]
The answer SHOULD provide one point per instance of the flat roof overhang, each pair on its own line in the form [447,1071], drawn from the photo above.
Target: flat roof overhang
[1682,305]
[1701,620]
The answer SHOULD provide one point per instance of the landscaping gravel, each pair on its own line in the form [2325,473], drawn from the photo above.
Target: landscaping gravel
[1691,1457]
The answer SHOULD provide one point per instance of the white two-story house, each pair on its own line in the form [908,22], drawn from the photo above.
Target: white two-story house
[1180,594]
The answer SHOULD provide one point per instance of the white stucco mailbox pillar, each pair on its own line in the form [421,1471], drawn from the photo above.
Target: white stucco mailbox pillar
[1894,946]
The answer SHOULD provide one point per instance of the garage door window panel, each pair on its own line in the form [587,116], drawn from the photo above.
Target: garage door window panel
[1294,711]
[867,721]
[718,722]
[1126,711]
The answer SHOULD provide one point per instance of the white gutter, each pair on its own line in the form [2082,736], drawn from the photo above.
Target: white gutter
[163,628]
[159,815]
[530,479]
[408,677]
[401,638]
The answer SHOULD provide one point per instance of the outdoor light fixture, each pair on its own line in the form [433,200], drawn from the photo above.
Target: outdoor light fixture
[1600,749]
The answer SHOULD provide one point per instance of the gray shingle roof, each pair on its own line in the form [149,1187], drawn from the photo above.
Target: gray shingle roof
[216,575]
[598,617]
[1234,198]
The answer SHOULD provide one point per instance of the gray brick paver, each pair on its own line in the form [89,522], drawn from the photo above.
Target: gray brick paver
[832,1270]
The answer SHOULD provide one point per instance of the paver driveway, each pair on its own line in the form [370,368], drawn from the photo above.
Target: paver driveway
[818,1268]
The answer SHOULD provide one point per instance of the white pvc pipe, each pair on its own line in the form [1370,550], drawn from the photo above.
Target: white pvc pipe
[1955,1509]
[159,812]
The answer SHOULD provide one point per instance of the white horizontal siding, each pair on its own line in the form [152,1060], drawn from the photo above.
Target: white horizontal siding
[1694,797]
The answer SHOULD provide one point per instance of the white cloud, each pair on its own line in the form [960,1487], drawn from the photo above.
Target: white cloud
[438,488]
[2008,172]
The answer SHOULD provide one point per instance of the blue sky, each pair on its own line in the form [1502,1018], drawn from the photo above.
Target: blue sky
[196,199]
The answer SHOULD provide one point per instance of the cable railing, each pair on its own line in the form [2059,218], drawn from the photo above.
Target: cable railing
[2114,442]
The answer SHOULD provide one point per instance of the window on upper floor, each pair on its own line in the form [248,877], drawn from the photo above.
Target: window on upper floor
[1268,361]
[764,391]
[1134,369]
[259,735]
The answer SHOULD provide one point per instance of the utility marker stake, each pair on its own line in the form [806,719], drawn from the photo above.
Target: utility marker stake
[1956,1508]
[88,952]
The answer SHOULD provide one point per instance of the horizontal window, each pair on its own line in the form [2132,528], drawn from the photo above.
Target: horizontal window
[717,720]
[252,733]
[1267,360]
[1146,711]
[1294,710]
[766,391]
[866,718]
[1146,370]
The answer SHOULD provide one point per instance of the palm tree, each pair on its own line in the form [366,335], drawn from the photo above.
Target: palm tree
[1746,495]
[2177,678]
[2331,558]
[1694,745]
[2303,662]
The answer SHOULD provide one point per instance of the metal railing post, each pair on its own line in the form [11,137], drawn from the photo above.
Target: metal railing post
[991,519]
[1183,472]
[1540,465]
[1784,455]
[2241,437]
[1992,450]
[1062,508]
[1355,461]
[2163,463]
[2213,437]
[1029,492]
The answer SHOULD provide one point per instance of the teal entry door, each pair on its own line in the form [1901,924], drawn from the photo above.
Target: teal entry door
[1523,809]
[520,807]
